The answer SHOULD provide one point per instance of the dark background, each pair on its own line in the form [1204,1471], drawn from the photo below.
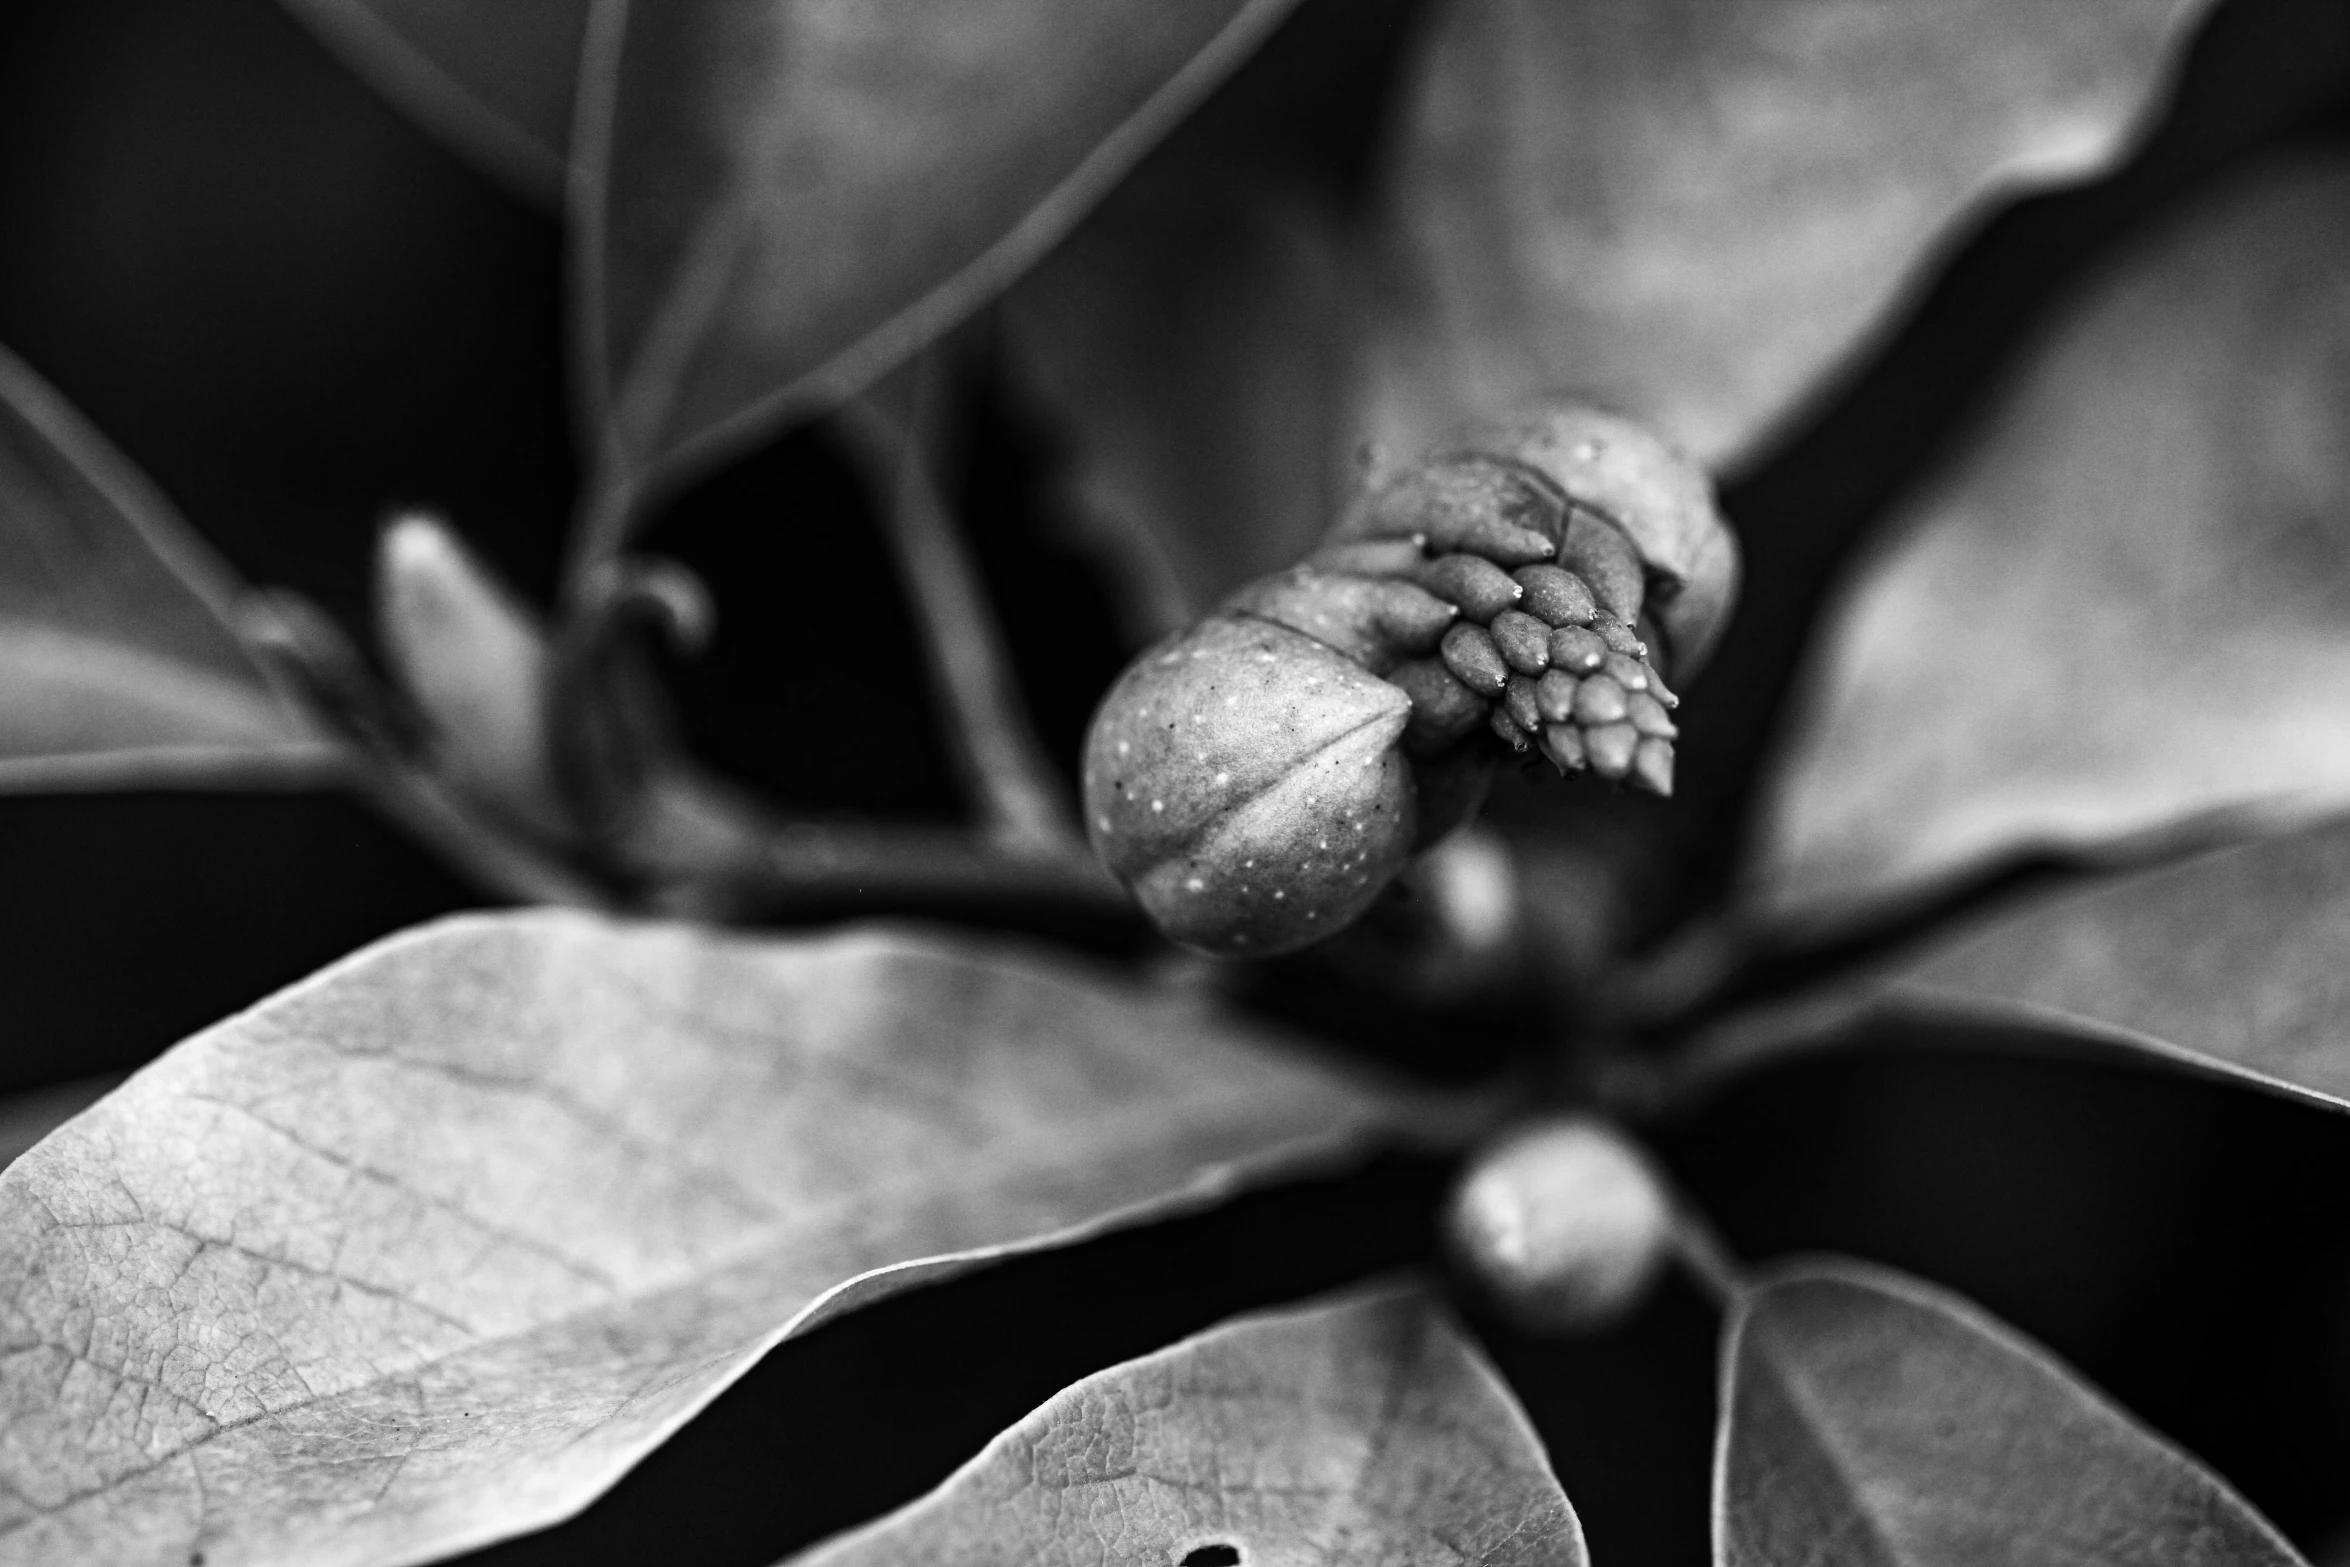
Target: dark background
[295,311]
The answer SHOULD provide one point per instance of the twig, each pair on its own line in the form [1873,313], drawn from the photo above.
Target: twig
[1020,801]
[1699,1249]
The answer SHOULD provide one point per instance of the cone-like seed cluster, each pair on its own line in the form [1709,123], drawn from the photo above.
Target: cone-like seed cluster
[1499,606]
[1257,778]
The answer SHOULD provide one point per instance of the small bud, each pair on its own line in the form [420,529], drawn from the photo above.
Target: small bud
[1369,557]
[1563,744]
[1599,700]
[1554,696]
[1629,673]
[1649,717]
[1610,747]
[1518,700]
[1480,505]
[1523,640]
[1506,728]
[1443,710]
[1597,551]
[474,661]
[1618,637]
[1575,649]
[1468,651]
[1556,596]
[1652,764]
[1482,589]
[1376,621]
[1564,1225]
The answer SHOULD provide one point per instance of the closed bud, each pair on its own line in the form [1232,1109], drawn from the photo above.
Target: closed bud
[474,662]
[1245,781]
[1564,1225]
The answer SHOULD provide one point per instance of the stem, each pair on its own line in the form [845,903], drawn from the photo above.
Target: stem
[600,528]
[1711,1266]
[1019,798]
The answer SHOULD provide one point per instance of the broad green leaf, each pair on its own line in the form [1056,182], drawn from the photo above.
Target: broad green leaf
[2229,962]
[1367,1430]
[1702,210]
[493,78]
[781,200]
[2127,606]
[117,665]
[432,1247]
[1867,1417]
[1191,338]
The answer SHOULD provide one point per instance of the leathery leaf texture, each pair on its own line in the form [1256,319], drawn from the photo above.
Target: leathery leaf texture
[431,1248]
[1365,1429]
[1260,776]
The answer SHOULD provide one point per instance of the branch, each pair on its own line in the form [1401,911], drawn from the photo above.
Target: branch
[1019,798]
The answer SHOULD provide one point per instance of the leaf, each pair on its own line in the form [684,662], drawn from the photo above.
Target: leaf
[1191,340]
[1366,1430]
[2127,606]
[122,669]
[783,200]
[495,81]
[1868,1417]
[1704,211]
[431,1248]
[2229,962]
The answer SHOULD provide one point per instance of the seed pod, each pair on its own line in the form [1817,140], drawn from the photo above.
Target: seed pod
[1563,744]
[1244,781]
[1556,596]
[1468,651]
[1563,1224]
[1523,640]
[1506,728]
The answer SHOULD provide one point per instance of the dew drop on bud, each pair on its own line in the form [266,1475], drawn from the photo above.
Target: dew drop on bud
[1563,1224]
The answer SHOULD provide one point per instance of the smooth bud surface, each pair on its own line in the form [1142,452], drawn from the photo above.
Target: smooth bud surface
[1563,1224]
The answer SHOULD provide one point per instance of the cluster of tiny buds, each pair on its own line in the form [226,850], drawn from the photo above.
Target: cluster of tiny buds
[1528,628]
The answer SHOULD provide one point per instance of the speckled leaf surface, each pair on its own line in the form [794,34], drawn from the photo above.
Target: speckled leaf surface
[2127,604]
[493,78]
[1871,1418]
[117,665]
[1702,210]
[1364,1431]
[1192,339]
[431,1248]
[787,198]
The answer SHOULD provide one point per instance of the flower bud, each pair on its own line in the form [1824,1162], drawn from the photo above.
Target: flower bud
[1257,778]
[1245,781]
[1563,1224]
